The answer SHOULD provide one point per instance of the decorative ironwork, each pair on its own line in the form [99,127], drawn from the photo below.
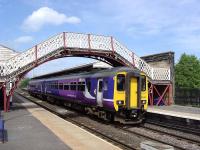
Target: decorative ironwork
[83,42]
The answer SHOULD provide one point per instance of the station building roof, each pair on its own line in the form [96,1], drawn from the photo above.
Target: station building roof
[159,57]
[6,53]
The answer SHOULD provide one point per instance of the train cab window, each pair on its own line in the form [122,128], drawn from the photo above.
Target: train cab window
[120,82]
[100,86]
[88,83]
[61,86]
[66,87]
[143,83]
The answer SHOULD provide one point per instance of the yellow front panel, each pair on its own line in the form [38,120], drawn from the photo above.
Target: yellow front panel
[118,95]
[144,93]
[133,93]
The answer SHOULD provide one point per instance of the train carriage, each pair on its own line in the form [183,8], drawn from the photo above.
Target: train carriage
[119,93]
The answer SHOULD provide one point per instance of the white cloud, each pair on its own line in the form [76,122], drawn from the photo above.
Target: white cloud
[23,39]
[160,16]
[44,16]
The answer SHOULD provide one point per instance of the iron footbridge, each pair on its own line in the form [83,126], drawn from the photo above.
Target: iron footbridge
[66,44]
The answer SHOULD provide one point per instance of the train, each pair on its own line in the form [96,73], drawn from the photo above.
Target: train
[117,94]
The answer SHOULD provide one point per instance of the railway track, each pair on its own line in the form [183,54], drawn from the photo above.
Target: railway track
[173,133]
[121,141]
[174,126]
[179,142]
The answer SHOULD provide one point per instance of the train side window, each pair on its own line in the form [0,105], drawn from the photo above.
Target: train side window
[73,86]
[120,82]
[61,86]
[56,86]
[66,87]
[143,83]
[88,83]
[100,86]
[81,87]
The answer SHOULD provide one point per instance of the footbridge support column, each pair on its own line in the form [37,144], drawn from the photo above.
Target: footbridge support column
[160,94]
[5,99]
[6,93]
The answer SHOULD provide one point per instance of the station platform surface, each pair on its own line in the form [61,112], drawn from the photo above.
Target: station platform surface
[30,127]
[176,111]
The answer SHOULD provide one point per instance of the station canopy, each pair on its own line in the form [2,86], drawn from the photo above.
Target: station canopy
[6,53]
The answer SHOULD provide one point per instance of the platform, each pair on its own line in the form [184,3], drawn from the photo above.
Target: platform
[186,112]
[32,127]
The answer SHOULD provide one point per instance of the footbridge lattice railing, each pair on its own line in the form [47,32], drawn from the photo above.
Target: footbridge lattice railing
[83,42]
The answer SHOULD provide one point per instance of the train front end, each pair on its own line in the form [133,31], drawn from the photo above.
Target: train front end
[130,96]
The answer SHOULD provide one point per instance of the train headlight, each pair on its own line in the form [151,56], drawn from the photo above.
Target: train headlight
[120,102]
[144,102]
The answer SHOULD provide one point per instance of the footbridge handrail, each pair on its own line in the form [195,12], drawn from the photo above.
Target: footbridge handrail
[83,42]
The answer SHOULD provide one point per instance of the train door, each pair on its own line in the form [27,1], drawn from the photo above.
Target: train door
[133,92]
[45,88]
[100,92]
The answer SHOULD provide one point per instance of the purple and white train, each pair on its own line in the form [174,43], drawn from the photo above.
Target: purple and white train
[119,93]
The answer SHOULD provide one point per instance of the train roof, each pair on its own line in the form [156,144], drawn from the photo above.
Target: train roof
[88,67]
[95,73]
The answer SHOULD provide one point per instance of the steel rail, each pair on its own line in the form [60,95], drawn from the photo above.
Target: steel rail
[187,139]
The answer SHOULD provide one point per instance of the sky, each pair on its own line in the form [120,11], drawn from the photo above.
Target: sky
[145,27]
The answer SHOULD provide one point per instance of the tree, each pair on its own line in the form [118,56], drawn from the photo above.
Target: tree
[24,83]
[187,72]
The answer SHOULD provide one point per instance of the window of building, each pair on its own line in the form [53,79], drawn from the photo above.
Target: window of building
[120,82]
